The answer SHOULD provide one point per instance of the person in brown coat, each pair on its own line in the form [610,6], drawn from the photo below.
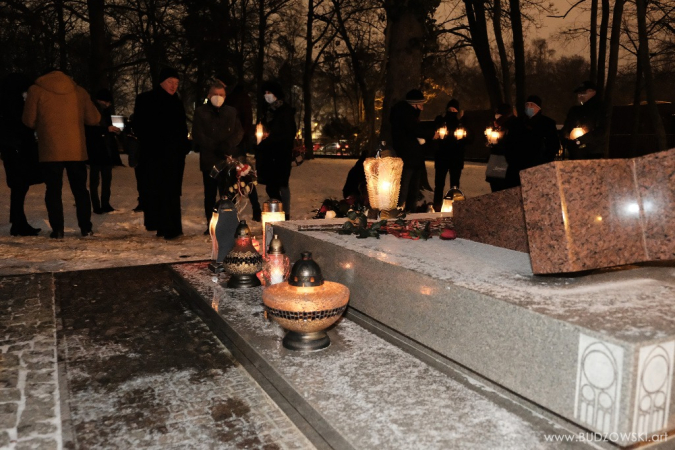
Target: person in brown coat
[58,109]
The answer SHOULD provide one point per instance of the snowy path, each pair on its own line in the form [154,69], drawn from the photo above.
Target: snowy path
[120,238]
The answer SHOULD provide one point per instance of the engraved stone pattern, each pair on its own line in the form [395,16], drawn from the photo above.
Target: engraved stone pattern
[495,219]
[654,385]
[599,377]
[30,414]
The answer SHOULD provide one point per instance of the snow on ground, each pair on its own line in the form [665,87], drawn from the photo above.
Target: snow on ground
[121,240]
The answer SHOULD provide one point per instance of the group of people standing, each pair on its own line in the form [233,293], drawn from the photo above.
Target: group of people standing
[522,141]
[54,125]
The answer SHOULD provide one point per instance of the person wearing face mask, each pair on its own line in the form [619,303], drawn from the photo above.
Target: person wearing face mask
[103,153]
[216,132]
[449,156]
[541,142]
[274,154]
[408,136]
[19,151]
[161,127]
[588,117]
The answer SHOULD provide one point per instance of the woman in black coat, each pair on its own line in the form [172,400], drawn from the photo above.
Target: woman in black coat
[19,151]
[274,154]
[103,153]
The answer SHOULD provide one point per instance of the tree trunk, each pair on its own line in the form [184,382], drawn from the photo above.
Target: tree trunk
[480,42]
[643,55]
[260,58]
[307,82]
[61,35]
[518,56]
[100,54]
[602,48]
[405,35]
[612,67]
[503,58]
[594,39]
[637,97]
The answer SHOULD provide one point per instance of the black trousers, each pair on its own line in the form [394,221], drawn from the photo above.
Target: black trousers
[104,175]
[410,188]
[142,181]
[211,190]
[77,178]
[161,211]
[442,167]
[281,193]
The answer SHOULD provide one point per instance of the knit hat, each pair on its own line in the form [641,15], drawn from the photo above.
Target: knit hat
[534,99]
[415,97]
[104,95]
[453,104]
[505,109]
[273,87]
[168,72]
[586,85]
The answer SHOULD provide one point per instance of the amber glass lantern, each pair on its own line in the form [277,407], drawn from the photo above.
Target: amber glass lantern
[272,211]
[460,133]
[576,133]
[243,262]
[453,195]
[383,179]
[306,305]
[276,265]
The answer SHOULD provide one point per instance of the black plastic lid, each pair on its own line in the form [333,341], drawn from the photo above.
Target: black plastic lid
[242,230]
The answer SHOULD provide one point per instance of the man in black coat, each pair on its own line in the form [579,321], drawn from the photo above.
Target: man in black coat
[216,131]
[449,155]
[274,154]
[541,142]
[587,116]
[161,127]
[408,136]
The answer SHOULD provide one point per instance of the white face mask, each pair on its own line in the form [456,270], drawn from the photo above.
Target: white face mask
[25,96]
[270,98]
[497,116]
[217,100]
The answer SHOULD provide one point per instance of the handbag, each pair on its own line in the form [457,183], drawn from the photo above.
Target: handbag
[496,167]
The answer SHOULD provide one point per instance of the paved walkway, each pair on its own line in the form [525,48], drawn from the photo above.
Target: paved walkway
[138,369]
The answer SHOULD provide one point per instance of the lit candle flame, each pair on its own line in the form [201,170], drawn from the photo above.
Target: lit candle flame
[460,133]
[259,132]
[576,133]
[442,132]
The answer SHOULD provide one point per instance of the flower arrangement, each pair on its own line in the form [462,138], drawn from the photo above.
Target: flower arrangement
[240,178]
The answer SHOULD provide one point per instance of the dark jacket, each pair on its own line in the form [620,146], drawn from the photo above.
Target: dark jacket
[275,153]
[161,127]
[450,149]
[238,99]
[510,145]
[589,117]
[101,143]
[541,139]
[215,133]
[405,129]
[18,146]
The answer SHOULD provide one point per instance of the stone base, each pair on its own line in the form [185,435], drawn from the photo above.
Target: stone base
[596,350]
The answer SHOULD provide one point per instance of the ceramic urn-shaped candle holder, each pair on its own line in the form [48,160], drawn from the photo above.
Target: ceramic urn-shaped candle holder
[243,262]
[306,305]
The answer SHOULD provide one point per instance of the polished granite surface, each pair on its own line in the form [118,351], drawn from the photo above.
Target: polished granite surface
[584,215]
[375,395]
[496,219]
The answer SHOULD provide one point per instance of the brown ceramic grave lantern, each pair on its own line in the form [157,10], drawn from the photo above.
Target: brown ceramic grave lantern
[243,261]
[306,305]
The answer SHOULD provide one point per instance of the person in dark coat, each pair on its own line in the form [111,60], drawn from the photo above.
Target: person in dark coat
[216,131]
[161,127]
[355,184]
[238,98]
[103,153]
[274,154]
[408,136]
[449,155]
[511,131]
[587,116]
[19,151]
[541,141]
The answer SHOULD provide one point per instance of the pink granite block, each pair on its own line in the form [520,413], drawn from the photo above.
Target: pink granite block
[495,219]
[655,175]
[584,215]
